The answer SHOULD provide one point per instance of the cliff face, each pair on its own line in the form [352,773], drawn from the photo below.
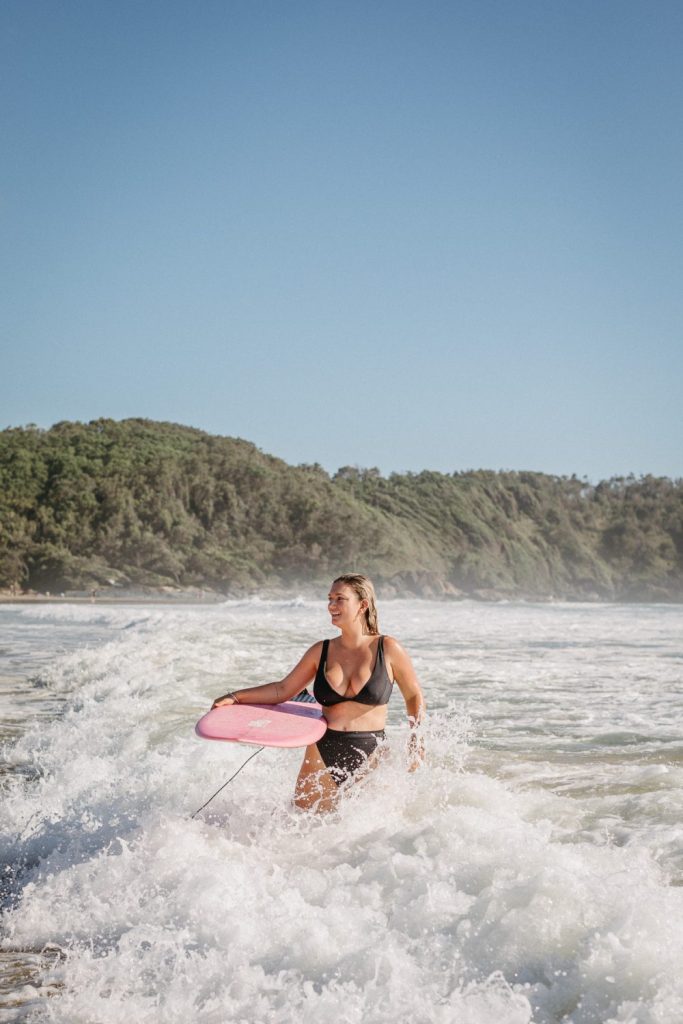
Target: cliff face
[155,504]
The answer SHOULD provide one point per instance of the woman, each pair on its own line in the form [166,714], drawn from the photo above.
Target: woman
[353,678]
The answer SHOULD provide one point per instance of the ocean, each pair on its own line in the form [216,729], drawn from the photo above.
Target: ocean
[530,871]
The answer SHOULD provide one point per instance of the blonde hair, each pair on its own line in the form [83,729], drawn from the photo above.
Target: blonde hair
[364,591]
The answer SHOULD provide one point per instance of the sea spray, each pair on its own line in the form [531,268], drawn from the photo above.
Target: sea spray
[508,879]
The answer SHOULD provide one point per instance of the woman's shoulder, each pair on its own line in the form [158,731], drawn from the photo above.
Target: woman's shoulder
[394,651]
[315,651]
[391,645]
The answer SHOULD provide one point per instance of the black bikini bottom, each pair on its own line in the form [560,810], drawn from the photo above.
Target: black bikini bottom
[345,752]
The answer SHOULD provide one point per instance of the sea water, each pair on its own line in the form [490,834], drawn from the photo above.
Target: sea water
[530,870]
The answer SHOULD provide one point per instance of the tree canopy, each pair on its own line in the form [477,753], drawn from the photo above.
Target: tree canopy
[138,503]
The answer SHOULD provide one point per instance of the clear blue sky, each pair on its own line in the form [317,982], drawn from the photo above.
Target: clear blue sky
[420,234]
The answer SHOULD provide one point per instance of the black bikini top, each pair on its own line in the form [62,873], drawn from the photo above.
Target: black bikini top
[376,691]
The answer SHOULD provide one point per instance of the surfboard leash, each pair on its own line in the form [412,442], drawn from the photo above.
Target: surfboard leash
[226,783]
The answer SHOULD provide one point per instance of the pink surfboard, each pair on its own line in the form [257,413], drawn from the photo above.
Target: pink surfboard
[292,724]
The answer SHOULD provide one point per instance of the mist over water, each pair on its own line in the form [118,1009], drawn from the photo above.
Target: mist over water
[530,871]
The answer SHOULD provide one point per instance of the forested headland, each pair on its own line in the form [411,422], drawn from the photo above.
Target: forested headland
[143,505]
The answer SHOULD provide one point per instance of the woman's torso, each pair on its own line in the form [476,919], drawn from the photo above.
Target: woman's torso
[353,686]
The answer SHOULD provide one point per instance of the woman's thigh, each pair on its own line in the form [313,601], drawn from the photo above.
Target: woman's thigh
[315,789]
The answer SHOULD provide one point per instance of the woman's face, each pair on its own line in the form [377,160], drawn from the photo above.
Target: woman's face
[344,605]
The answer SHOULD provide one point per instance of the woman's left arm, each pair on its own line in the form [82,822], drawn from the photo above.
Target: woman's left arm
[404,674]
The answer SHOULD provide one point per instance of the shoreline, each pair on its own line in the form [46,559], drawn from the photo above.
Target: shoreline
[106,599]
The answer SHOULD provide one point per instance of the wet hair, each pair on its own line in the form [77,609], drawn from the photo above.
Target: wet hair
[364,591]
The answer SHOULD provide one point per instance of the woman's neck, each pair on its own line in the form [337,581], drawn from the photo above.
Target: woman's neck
[353,636]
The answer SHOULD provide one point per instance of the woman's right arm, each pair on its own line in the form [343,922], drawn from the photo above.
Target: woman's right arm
[283,689]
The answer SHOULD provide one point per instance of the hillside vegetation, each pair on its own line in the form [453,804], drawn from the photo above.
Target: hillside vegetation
[144,504]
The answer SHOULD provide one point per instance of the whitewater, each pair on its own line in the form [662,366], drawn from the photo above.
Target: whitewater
[530,871]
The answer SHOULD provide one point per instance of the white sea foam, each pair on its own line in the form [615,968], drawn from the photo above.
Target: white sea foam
[523,874]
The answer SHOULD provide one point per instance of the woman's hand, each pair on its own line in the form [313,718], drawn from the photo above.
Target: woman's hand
[225,701]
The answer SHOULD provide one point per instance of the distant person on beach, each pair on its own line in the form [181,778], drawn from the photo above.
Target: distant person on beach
[353,678]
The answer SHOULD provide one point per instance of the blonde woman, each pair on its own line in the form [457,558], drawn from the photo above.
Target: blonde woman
[353,678]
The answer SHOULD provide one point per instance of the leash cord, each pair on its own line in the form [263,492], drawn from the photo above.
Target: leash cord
[226,783]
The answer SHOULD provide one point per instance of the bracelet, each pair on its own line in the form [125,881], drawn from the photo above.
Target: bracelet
[234,697]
